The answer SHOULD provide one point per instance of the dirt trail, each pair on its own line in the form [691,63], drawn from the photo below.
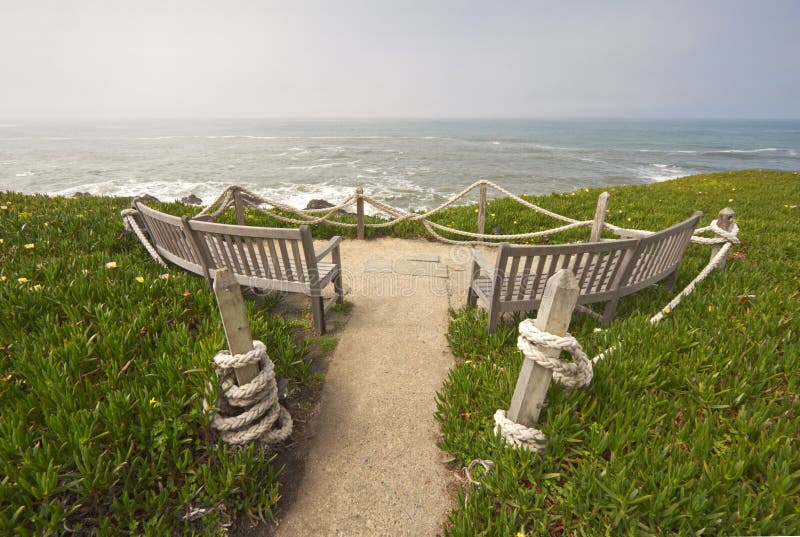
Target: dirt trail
[373,468]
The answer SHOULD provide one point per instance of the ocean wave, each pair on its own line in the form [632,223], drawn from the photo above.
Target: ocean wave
[657,172]
[763,150]
[315,166]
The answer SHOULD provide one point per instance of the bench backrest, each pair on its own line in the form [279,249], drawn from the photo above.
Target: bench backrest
[256,252]
[659,255]
[598,268]
[171,238]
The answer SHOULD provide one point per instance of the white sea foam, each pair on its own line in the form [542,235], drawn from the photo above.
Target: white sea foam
[315,166]
[660,172]
[25,174]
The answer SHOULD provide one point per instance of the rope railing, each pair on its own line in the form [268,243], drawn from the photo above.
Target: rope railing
[291,215]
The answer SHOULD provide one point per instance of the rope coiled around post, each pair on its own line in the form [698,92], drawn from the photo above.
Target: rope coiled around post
[575,374]
[264,419]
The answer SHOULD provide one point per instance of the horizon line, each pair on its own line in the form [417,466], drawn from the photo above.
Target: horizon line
[393,118]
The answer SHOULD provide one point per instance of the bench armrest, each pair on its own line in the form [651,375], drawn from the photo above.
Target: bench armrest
[631,233]
[482,262]
[333,244]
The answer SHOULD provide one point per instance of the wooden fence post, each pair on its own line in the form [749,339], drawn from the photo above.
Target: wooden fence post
[359,213]
[599,217]
[238,206]
[555,312]
[482,209]
[725,221]
[234,320]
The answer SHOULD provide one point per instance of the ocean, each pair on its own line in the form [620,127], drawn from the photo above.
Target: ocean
[409,164]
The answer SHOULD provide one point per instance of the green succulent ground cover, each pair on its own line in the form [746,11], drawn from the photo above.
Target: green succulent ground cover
[691,428]
[104,367]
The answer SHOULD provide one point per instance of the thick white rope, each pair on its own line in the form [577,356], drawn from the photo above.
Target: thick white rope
[130,223]
[579,372]
[264,419]
[575,374]
[729,238]
[303,216]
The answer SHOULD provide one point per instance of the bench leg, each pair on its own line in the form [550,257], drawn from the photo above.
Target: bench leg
[494,316]
[337,287]
[610,311]
[318,314]
[472,297]
[669,283]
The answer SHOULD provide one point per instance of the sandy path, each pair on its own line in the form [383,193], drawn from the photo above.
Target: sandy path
[373,467]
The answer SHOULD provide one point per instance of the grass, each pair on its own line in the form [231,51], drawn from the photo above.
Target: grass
[105,363]
[691,428]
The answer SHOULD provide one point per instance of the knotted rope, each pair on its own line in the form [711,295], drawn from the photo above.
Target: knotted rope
[575,374]
[264,419]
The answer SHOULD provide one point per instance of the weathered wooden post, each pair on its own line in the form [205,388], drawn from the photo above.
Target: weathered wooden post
[238,206]
[359,213]
[234,320]
[482,209]
[724,221]
[599,217]
[555,312]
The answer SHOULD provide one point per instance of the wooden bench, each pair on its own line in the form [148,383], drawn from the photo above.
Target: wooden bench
[606,270]
[265,259]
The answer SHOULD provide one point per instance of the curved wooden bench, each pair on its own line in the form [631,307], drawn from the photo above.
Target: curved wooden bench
[606,271]
[267,259]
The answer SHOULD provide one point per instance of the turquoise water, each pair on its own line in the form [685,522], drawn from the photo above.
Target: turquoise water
[407,163]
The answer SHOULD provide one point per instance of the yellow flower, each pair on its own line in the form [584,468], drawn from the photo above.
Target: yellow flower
[30,246]
[111,265]
[1,241]
[139,279]
[629,219]
[23,280]
[154,402]
[3,207]
[667,310]
[37,287]
[46,224]
[2,278]
[85,271]
[730,200]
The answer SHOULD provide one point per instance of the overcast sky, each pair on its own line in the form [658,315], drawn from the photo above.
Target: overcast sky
[419,59]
